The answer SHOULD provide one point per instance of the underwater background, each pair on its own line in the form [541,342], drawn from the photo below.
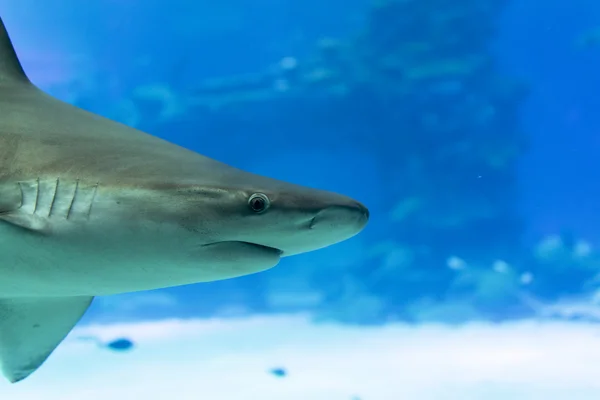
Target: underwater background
[469,128]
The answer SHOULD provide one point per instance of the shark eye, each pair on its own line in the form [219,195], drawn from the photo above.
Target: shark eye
[259,202]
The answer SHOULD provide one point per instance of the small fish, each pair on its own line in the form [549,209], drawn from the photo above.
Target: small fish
[121,344]
[278,372]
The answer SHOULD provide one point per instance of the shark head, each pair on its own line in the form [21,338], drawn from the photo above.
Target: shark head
[279,218]
[284,218]
[211,226]
[89,206]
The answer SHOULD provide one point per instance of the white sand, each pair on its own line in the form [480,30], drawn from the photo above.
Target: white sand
[230,359]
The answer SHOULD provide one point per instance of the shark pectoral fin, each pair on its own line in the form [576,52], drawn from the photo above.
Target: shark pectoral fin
[31,328]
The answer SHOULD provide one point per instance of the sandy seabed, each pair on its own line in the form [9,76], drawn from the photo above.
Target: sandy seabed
[230,359]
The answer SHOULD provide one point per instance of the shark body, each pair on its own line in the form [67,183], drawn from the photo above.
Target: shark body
[91,207]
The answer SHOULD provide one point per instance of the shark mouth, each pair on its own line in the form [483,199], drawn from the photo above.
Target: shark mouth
[260,246]
[266,248]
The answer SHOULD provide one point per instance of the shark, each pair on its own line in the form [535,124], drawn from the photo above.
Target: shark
[92,207]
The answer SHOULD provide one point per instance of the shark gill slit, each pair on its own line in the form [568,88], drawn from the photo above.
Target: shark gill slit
[92,200]
[75,191]
[53,197]
[22,194]
[37,195]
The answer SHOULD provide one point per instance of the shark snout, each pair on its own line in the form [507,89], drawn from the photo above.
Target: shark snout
[362,209]
[352,216]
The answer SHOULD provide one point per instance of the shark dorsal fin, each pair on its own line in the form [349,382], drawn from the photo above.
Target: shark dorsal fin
[11,71]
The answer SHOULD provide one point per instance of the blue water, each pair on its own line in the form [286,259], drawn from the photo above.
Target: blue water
[468,128]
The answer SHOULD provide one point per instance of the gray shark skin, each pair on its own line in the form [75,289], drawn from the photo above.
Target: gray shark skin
[92,207]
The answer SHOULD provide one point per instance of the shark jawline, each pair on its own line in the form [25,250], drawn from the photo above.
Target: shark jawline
[260,246]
